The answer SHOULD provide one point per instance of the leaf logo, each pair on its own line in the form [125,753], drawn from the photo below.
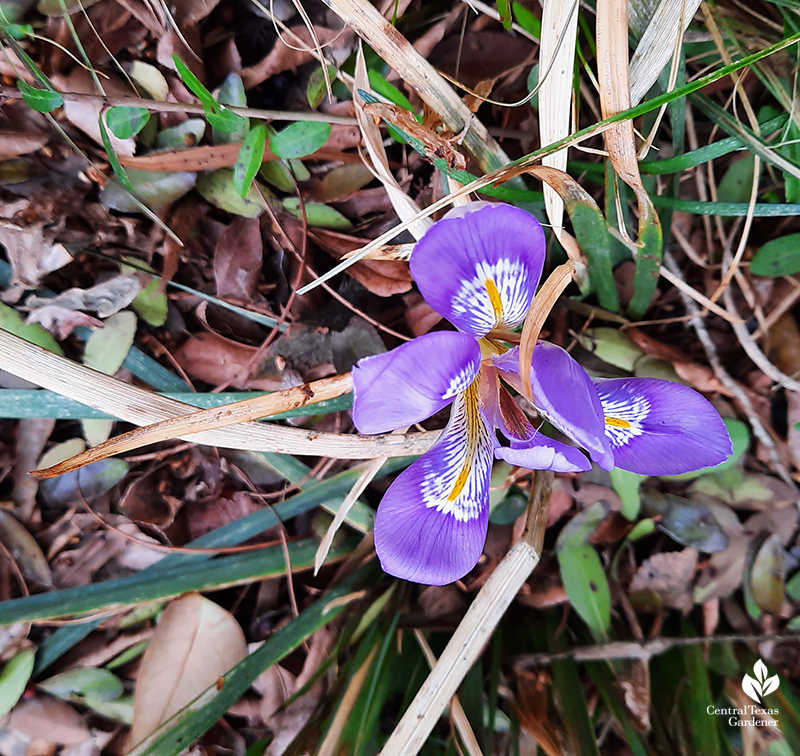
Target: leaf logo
[761,685]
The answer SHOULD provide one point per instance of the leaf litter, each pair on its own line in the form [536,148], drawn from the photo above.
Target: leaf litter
[624,561]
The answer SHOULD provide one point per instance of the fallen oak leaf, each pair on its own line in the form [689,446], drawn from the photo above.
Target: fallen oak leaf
[195,643]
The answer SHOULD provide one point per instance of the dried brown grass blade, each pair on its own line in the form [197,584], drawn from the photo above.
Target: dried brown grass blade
[556,64]
[456,709]
[415,70]
[139,407]
[543,302]
[371,469]
[669,21]
[218,417]
[403,205]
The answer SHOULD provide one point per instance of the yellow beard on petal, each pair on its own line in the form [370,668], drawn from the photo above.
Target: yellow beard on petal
[473,436]
[616,422]
[494,298]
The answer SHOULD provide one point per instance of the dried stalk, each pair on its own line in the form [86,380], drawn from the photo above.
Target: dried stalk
[140,407]
[155,106]
[401,56]
[475,630]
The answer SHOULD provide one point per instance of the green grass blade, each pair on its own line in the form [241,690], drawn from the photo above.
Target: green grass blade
[16,404]
[727,209]
[152,585]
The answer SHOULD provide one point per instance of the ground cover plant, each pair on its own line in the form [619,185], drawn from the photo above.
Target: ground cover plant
[407,377]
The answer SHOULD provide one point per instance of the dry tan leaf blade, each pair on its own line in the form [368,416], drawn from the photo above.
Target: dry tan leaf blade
[195,643]
[140,407]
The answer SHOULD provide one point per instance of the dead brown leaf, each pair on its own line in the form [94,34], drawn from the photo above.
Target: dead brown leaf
[61,321]
[636,690]
[195,643]
[382,277]
[106,298]
[215,360]
[32,256]
[84,114]
[237,260]
[45,718]
[284,58]
[16,143]
[436,147]
[670,574]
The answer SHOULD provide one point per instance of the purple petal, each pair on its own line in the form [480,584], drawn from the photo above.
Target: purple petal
[543,453]
[480,265]
[564,394]
[431,525]
[413,381]
[661,428]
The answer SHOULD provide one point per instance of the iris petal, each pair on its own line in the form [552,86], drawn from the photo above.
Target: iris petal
[480,265]
[659,427]
[564,394]
[431,525]
[543,453]
[413,381]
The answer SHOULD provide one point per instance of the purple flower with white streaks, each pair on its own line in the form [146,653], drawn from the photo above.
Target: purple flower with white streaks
[479,267]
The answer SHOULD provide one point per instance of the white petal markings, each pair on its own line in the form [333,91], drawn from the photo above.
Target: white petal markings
[499,294]
[624,418]
[457,469]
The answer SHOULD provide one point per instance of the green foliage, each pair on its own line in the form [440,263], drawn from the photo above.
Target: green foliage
[14,678]
[40,100]
[779,257]
[217,115]
[316,88]
[249,159]
[299,139]
[126,122]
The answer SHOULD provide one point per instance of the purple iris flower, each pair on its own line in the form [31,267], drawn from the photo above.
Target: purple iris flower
[479,267]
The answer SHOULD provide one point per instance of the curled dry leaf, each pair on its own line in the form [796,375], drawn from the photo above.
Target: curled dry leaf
[31,255]
[237,260]
[61,321]
[196,642]
[105,299]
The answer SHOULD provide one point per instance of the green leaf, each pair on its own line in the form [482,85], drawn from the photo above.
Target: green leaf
[190,80]
[688,522]
[152,188]
[126,122]
[40,100]
[224,120]
[316,88]
[218,116]
[300,139]
[11,321]
[779,257]
[218,188]
[231,92]
[504,11]
[82,682]
[182,136]
[19,31]
[737,183]
[317,214]
[612,346]
[150,304]
[113,159]
[587,587]
[626,484]
[580,528]
[108,346]
[249,160]
[388,90]
[648,262]
[14,678]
